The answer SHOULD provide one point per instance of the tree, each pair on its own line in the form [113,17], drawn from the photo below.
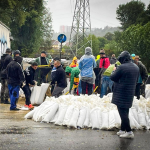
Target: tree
[109,36]
[136,39]
[102,42]
[129,13]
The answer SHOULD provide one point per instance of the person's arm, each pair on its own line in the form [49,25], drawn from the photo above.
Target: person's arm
[71,80]
[145,73]
[21,74]
[56,77]
[94,63]
[116,75]
[80,65]
[30,77]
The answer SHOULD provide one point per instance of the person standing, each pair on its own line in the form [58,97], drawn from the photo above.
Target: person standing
[60,78]
[4,91]
[113,59]
[125,78]
[86,65]
[143,76]
[106,81]
[15,80]
[29,82]
[74,62]
[42,60]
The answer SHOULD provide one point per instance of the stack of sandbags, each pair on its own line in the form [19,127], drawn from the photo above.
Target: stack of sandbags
[147,91]
[90,112]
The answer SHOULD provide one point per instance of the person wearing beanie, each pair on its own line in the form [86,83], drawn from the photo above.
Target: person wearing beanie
[42,60]
[74,62]
[86,65]
[15,80]
[6,59]
[106,81]
[17,53]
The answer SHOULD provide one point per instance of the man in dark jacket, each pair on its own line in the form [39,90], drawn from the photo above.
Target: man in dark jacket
[29,77]
[15,80]
[4,91]
[125,79]
[143,76]
[60,78]
[113,59]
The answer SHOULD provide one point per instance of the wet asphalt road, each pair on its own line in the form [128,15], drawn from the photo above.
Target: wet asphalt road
[16,133]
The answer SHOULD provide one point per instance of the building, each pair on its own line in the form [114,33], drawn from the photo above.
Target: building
[4,38]
[65,29]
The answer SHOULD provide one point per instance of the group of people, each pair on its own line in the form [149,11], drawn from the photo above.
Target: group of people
[125,76]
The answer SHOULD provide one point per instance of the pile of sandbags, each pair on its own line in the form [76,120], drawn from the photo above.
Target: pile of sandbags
[147,91]
[90,111]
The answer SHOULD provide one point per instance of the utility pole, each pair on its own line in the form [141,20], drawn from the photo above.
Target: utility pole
[81,27]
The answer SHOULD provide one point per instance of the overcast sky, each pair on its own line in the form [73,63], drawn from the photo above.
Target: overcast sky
[103,12]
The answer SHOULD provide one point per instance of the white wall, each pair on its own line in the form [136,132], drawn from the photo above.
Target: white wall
[4,39]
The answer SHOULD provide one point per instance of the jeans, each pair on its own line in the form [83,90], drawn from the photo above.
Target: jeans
[125,122]
[27,93]
[106,82]
[14,95]
[84,85]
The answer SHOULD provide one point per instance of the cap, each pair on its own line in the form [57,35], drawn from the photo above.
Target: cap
[137,57]
[102,51]
[43,52]
[133,55]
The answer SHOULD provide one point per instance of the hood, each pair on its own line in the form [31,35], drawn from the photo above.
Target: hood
[88,51]
[124,57]
[68,69]
[74,58]
[98,57]
[18,59]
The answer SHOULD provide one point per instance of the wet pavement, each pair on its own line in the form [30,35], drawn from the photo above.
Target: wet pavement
[16,133]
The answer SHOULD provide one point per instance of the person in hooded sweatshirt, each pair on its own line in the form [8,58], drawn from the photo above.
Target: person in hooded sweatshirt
[74,62]
[113,59]
[86,65]
[125,78]
[16,78]
[4,89]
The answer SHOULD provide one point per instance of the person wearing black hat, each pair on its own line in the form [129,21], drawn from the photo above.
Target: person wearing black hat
[42,60]
[6,59]
[125,78]
[17,53]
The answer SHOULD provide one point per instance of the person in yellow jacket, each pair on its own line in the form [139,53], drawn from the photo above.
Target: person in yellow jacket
[74,62]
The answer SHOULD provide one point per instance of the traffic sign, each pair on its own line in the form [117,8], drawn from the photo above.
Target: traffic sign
[62,38]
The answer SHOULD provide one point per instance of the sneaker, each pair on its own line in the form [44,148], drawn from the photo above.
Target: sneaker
[16,109]
[30,106]
[26,106]
[128,135]
[120,132]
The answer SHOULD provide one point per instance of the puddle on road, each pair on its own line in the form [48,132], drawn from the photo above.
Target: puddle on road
[15,130]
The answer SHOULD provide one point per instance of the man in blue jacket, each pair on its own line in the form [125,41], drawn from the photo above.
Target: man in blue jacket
[86,65]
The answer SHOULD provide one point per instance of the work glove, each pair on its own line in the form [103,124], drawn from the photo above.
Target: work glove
[35,82]
[142,83]
[23,84]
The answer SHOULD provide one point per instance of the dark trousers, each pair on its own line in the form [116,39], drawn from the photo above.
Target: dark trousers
[84,85]
[125,122]
[57,91]
[4,90]
[137,90]
[27,93]
[143,90]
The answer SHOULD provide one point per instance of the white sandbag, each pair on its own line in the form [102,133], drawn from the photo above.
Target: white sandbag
[142,119]
[62,112]
[105,121]
[68,86]
[147,91]
[40,98]
[94,118]
[74,118]
[30,114]
[111,119]
[82,116]
[87,119]
[68,115]
[55,117]
[117,119]
[48,117]
[35,94]
[135,114]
